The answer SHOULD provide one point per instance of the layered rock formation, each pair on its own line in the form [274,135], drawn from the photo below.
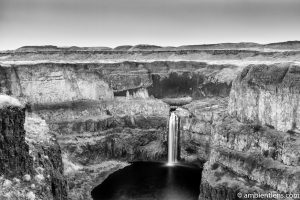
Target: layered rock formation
[99,137]
[196,123]
[255,148]
[47,159]
[268,94]
[48,82]
[248,158]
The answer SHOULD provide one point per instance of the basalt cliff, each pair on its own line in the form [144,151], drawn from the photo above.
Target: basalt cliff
[72,116]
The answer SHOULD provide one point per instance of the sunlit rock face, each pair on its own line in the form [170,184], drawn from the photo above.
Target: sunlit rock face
[44,83]
[269,95]
[48,83]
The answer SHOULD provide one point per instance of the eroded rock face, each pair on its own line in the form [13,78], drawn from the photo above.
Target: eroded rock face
[196,123]
[256,147]
[31,161]
[123,130]
[268,95]
[100,137]
[47,158]
[280,146]
[197,85]
[45,83]
[14,152]
[248,158]
[48,83]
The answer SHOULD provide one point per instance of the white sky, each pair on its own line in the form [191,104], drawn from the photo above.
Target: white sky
[161,22]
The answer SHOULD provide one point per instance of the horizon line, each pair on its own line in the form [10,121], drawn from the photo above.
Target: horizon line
[145,44]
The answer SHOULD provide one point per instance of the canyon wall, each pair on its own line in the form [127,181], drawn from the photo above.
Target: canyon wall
[248,158]
[14,152]
[100,137]
[269,95]
[196,123]
[48,82]
[30,158]
[255,147]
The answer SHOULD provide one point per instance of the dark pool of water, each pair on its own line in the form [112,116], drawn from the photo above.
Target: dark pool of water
[149,181]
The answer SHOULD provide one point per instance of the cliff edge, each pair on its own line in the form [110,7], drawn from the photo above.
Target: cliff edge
[30,158]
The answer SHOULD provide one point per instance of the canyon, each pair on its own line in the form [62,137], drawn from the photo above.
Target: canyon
[70,117]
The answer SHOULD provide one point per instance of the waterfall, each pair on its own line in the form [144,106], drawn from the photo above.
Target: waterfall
[173,139]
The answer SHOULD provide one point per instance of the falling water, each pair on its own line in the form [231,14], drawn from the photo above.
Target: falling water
[172,139]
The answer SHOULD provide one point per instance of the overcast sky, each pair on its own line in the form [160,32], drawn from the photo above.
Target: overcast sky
[161,22]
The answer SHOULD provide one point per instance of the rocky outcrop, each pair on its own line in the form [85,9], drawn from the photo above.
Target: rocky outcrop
[31,161]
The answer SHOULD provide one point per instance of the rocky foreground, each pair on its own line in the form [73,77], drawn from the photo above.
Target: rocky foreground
[84,113]
[30,158]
